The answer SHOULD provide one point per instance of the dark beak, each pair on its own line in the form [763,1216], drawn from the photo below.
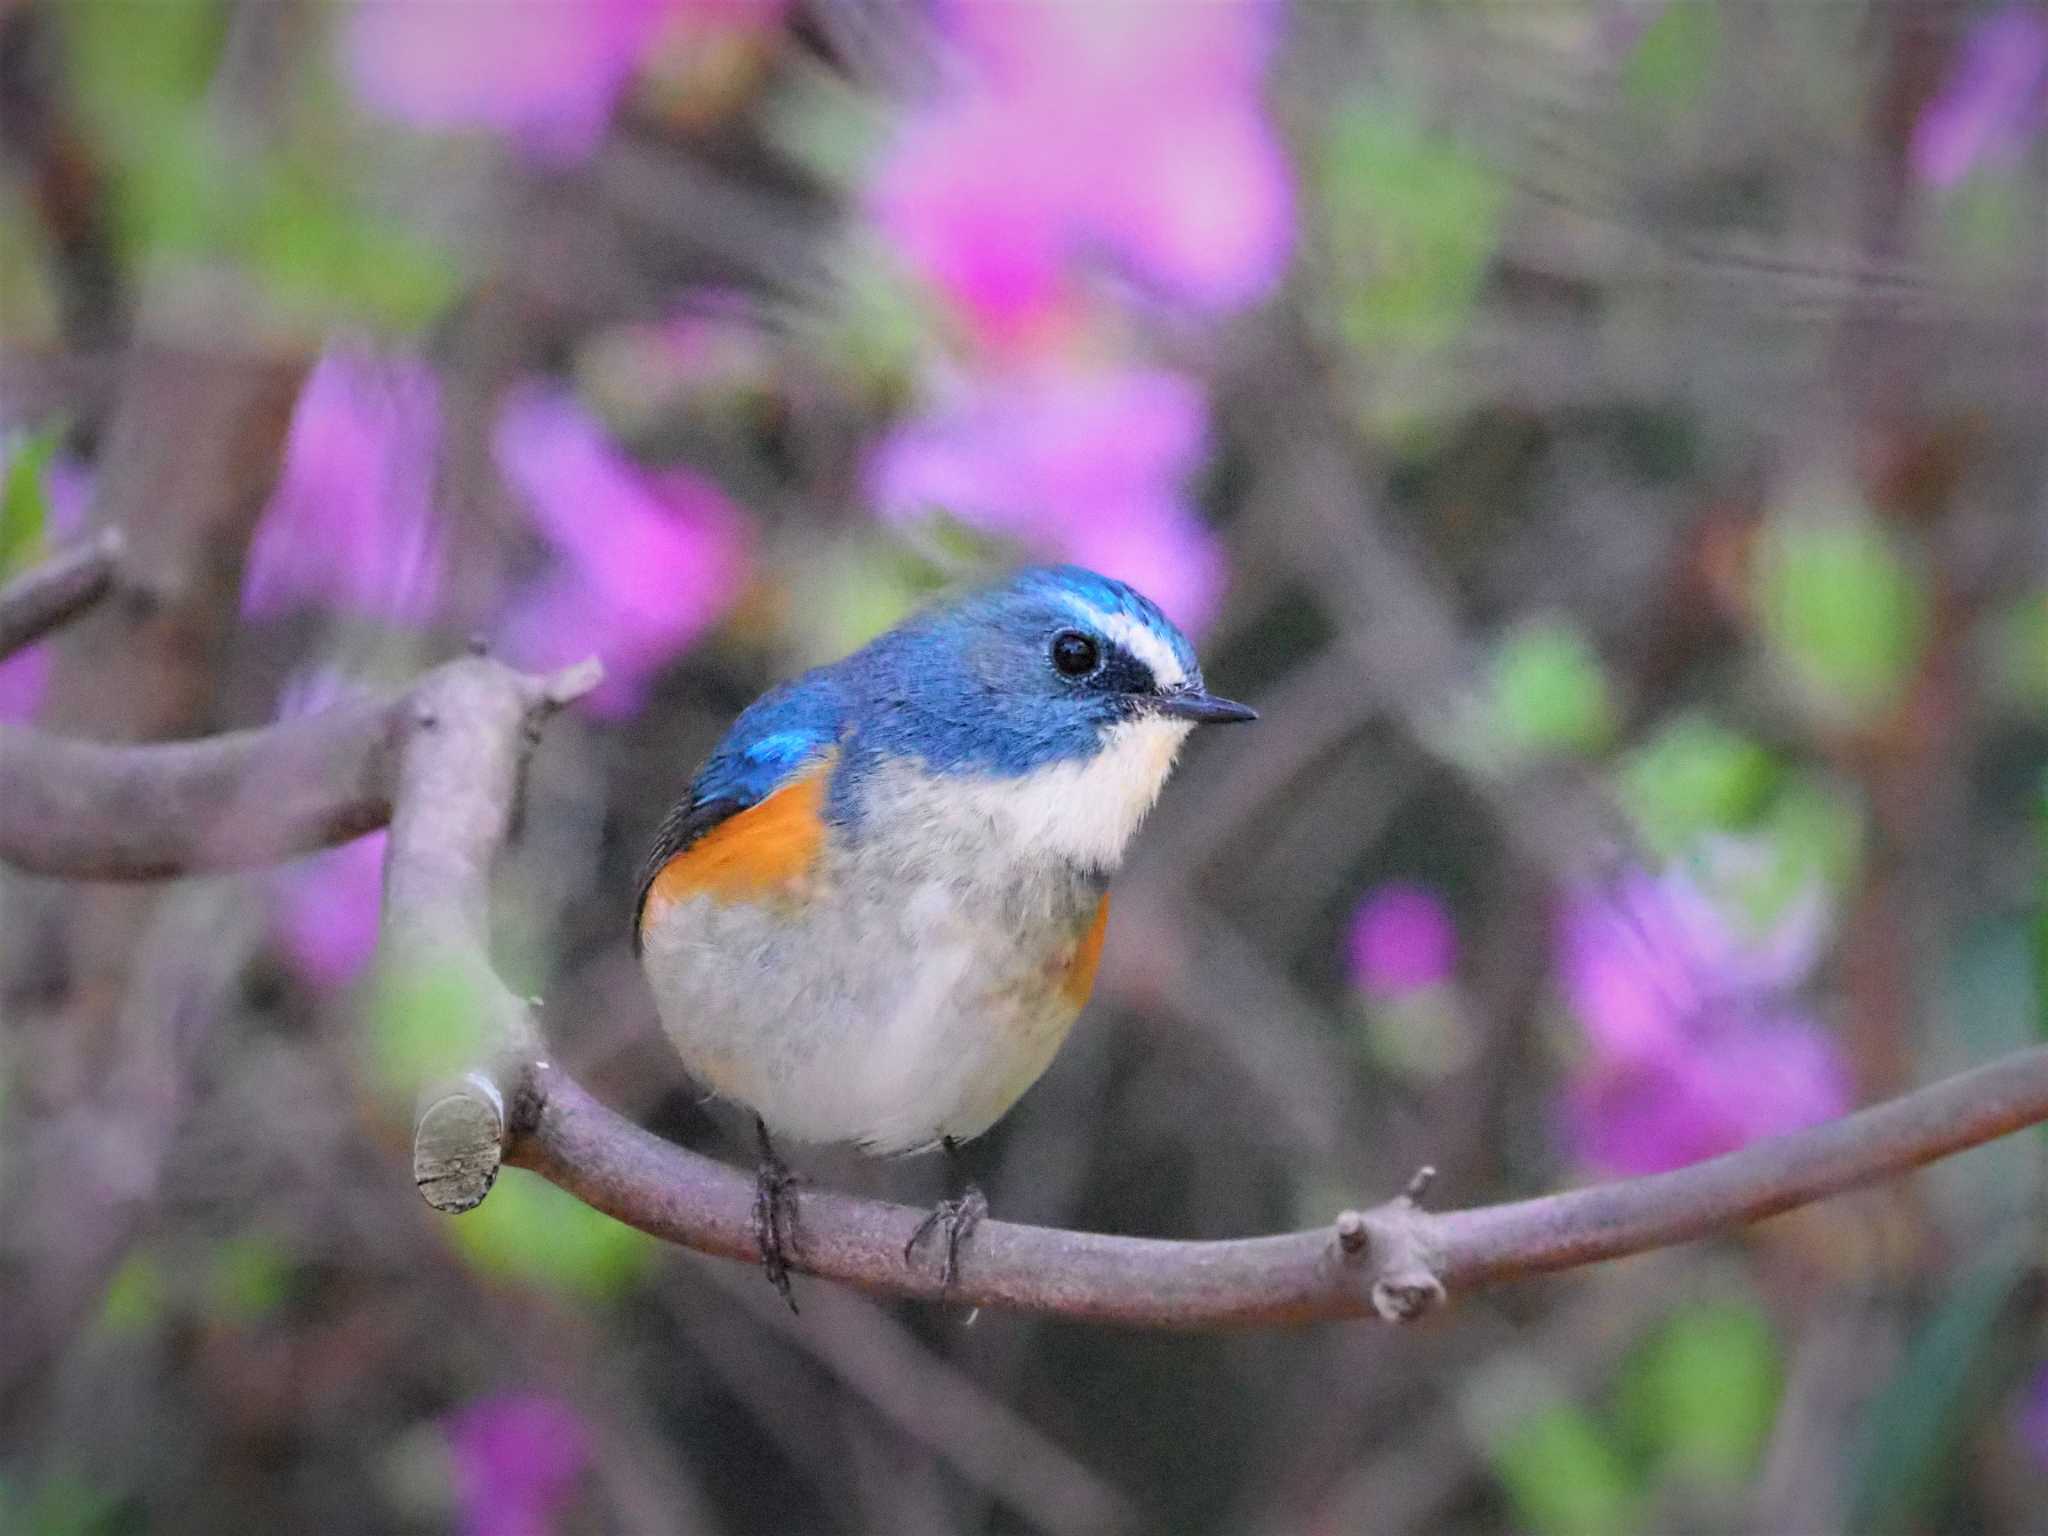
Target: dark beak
[1203,707]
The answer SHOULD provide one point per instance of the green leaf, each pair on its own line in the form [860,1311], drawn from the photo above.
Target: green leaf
[1817,832]
[1700,1395]
[1843,610]
[1674,59]
[24,500]
[138,66]
[528,1230]
[322,255]
[2019,643]
[251,1277]
[1562,1475]
[1412,220]
[292,214]
[1549,691]
[136,1295]
[1693,777]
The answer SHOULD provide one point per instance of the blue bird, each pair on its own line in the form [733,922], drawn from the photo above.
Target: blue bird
[878,908]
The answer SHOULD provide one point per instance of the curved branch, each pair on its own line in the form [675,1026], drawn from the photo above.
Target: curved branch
[57,590]
[448,755]
[1395,1261]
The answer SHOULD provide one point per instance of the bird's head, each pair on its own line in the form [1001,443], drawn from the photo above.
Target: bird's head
[1072,685]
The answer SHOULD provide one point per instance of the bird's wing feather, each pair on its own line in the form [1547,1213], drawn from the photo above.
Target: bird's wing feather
[753,818]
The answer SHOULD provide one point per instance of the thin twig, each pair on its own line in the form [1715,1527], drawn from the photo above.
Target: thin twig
[57,590]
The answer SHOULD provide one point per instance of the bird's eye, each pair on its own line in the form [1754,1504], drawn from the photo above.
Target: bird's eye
[1075,654]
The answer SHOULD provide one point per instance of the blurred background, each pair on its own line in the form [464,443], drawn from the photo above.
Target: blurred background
[1605,439]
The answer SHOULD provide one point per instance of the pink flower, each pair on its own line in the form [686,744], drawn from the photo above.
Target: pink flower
[325,911]
[1083,467]
[351,526]
[1081,132]
[1402,940]
[1694,1049]
[1996,95]
[517,1462]
[23,677]
[645,560]
[547,74]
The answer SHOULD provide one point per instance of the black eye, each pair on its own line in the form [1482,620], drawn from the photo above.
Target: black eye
[1075,654]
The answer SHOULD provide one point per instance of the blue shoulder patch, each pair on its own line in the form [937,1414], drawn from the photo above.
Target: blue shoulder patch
[772,739]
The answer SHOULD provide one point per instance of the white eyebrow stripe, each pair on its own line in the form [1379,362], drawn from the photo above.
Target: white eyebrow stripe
[1141,640]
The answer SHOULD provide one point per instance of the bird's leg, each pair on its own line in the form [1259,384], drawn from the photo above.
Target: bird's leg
[775,1230]
[957,1217]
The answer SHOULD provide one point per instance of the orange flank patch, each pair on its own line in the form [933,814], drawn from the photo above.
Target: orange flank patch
[751,855]
[1080,978]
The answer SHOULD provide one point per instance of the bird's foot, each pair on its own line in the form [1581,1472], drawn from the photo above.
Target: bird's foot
[775,1224]
[957,1219]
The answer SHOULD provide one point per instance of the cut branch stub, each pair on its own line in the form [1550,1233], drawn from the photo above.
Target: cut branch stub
[458,1144]
[466,737]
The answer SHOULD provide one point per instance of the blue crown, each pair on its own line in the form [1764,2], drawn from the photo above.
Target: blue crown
[1085,591]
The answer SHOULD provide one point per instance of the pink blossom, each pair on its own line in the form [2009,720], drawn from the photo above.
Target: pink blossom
[23,678]
[1995,96]
[518,1459]
[1088,467]
[1080,132]
[1402,940]
[1694,1047]
[645,560]
[325,911]
[547,74]
[351,525]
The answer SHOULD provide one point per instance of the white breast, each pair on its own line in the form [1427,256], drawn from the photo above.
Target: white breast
[1086,812]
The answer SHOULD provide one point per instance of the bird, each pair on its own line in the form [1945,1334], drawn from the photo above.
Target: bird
[877,909]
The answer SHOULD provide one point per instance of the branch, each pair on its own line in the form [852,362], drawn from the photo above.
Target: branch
[1395,1260]
[467,731]
[59,589]
[448,757]
[86,811]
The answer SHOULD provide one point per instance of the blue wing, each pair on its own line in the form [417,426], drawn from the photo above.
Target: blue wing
[774,739]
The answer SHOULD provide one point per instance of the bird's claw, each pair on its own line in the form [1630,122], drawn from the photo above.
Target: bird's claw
[958,1218]
[775,1224]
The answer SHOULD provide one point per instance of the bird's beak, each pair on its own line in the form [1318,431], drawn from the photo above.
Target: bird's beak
[1203,707]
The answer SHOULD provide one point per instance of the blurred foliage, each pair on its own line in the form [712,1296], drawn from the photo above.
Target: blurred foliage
[24,503]
[1906,1460]
[1550,696]
[530,1231]
[1697,1398]
[1844,608]
[1695,777]
[426,1024]
[286,211]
